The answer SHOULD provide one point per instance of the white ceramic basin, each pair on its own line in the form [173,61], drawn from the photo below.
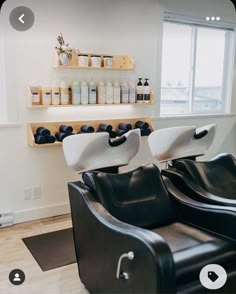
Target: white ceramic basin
[86,152]
[180,142]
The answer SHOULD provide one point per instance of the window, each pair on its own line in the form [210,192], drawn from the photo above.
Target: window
[197,67]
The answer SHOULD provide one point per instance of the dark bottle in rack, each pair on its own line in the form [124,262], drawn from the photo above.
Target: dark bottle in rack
[140,91]
[146,92]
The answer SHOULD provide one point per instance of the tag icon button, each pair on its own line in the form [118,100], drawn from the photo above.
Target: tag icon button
[213,276]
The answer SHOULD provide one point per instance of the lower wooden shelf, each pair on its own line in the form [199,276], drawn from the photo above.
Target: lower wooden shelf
[54,127]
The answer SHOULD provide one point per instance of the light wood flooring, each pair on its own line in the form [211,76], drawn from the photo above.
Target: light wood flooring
[15,255]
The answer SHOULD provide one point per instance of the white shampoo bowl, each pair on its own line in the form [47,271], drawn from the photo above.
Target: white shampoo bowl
[86,152]
[181,142]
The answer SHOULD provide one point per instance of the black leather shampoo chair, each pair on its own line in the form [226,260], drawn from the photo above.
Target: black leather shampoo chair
[210,181]
[132,236]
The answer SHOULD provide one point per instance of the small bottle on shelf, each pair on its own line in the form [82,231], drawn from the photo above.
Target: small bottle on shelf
[64,93]
[84,93]
[55,93]
[132,95]
[70,94]
[101,93]
[46,95]
[125,93]
[35,94]
[109,93]
[116,92]
[92,93]
[140,91]
[76,93]
[146,92]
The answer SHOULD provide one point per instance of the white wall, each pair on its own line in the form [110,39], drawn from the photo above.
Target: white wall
[122,27]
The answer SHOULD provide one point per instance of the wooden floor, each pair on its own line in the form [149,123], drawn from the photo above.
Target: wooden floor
[15,255]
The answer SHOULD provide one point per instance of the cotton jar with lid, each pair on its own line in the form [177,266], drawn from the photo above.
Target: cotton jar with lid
[83,60]
[108,61]
[96,60]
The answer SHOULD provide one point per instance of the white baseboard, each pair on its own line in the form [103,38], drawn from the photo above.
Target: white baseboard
[21,216]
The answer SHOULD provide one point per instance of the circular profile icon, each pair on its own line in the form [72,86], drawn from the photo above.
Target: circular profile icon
[213,276]
[17,277]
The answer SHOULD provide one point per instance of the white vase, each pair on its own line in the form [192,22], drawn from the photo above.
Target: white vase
[64,59]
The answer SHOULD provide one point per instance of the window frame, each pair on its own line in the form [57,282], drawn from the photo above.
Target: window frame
[228,69]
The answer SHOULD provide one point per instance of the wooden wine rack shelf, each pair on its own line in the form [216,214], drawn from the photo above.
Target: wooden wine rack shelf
[54,127]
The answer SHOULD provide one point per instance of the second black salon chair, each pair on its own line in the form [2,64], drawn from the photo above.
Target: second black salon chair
[211,181]
[206,181]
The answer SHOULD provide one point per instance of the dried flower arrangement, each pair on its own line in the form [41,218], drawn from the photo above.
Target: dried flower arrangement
[63,47]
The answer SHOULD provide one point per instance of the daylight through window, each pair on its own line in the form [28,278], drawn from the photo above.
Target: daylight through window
[197,68]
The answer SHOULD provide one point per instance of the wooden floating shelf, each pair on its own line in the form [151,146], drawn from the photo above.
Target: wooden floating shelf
[30,98]
[84,105]
[54,127]
[120,62]
[91,68]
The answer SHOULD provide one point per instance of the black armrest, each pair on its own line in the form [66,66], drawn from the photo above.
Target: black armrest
[100,239]
[188,187]
[217,219]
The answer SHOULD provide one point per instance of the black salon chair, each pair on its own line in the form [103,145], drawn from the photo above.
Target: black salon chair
[209,182]
[132,236]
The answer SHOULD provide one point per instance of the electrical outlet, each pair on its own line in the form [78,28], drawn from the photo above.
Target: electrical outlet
[28,193]
[36,192]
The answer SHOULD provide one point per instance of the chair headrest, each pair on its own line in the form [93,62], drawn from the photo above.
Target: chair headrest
[93,151]
[181,142]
